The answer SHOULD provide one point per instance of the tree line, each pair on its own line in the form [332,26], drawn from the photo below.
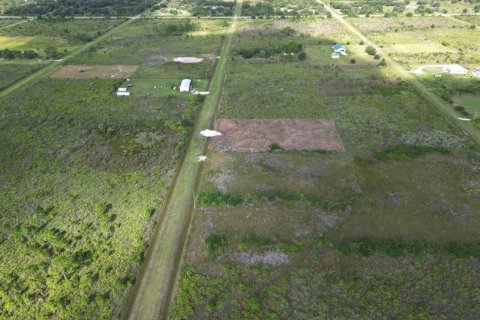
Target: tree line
[81,7]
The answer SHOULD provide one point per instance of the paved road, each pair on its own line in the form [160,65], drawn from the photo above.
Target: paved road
[152,294]
[442,106]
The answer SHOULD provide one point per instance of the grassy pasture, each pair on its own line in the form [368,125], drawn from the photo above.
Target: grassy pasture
[162,87]
[470,102]
[8,22]
[11,72]
[423,39]
[63,34]
[287,234]
[152,44]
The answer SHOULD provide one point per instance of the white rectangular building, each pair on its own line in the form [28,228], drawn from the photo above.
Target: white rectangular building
[186,85]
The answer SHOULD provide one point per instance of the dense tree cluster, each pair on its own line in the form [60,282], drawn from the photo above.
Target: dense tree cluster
[289,48]
[213,8]
[18,54]
[82,7]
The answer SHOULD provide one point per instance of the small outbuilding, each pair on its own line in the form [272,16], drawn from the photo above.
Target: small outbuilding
[123,92]
[339,48]
[186,85]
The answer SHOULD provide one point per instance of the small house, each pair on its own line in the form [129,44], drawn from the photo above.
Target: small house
[123,92]
[186,85]
[339,49]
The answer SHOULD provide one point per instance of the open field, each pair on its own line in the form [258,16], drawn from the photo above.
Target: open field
[12,72]
[390,221]
[163,87]
[62,34]
[470,102]
[94,71]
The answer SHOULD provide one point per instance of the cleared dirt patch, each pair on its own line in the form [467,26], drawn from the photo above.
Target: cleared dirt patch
[260,135]
[94,71]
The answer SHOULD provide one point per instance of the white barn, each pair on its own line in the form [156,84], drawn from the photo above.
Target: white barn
[186,85]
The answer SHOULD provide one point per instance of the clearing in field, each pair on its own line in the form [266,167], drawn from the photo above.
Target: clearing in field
[291,134]
[94,71]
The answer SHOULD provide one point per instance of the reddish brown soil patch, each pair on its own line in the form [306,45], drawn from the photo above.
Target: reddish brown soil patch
[94,71]
[259,135]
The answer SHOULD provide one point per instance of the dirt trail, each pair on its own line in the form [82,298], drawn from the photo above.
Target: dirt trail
[153,289]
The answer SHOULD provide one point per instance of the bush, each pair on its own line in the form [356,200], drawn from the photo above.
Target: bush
[361,42]
[382,63]
[215,244]
[406,152]
[217,198]
[275,147]
[371,50]
[353,61]
[376,56]
[302,56]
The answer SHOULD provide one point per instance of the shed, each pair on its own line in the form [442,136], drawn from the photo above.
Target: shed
[186,85]
[123,93]
[122,90]
[340,49]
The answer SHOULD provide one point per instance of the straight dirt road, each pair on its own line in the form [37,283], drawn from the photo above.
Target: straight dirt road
[153,289]
[436,101]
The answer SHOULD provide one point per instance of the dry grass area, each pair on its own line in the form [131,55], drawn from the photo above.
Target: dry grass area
[94,71]
[291,134]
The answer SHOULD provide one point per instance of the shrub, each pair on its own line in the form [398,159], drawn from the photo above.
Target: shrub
[361,42]
[217,198]
[406,152]
[215,244]
[382,63]
[371,50]
[302,56]
[376,56]
[275,147]
[353,61]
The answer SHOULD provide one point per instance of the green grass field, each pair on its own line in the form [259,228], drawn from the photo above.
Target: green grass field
[470,102]
[162,88]
[12,72]
[63,34]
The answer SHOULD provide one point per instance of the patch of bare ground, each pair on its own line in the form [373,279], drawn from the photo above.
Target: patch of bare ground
[94,71]
[271,258]
[259,135]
